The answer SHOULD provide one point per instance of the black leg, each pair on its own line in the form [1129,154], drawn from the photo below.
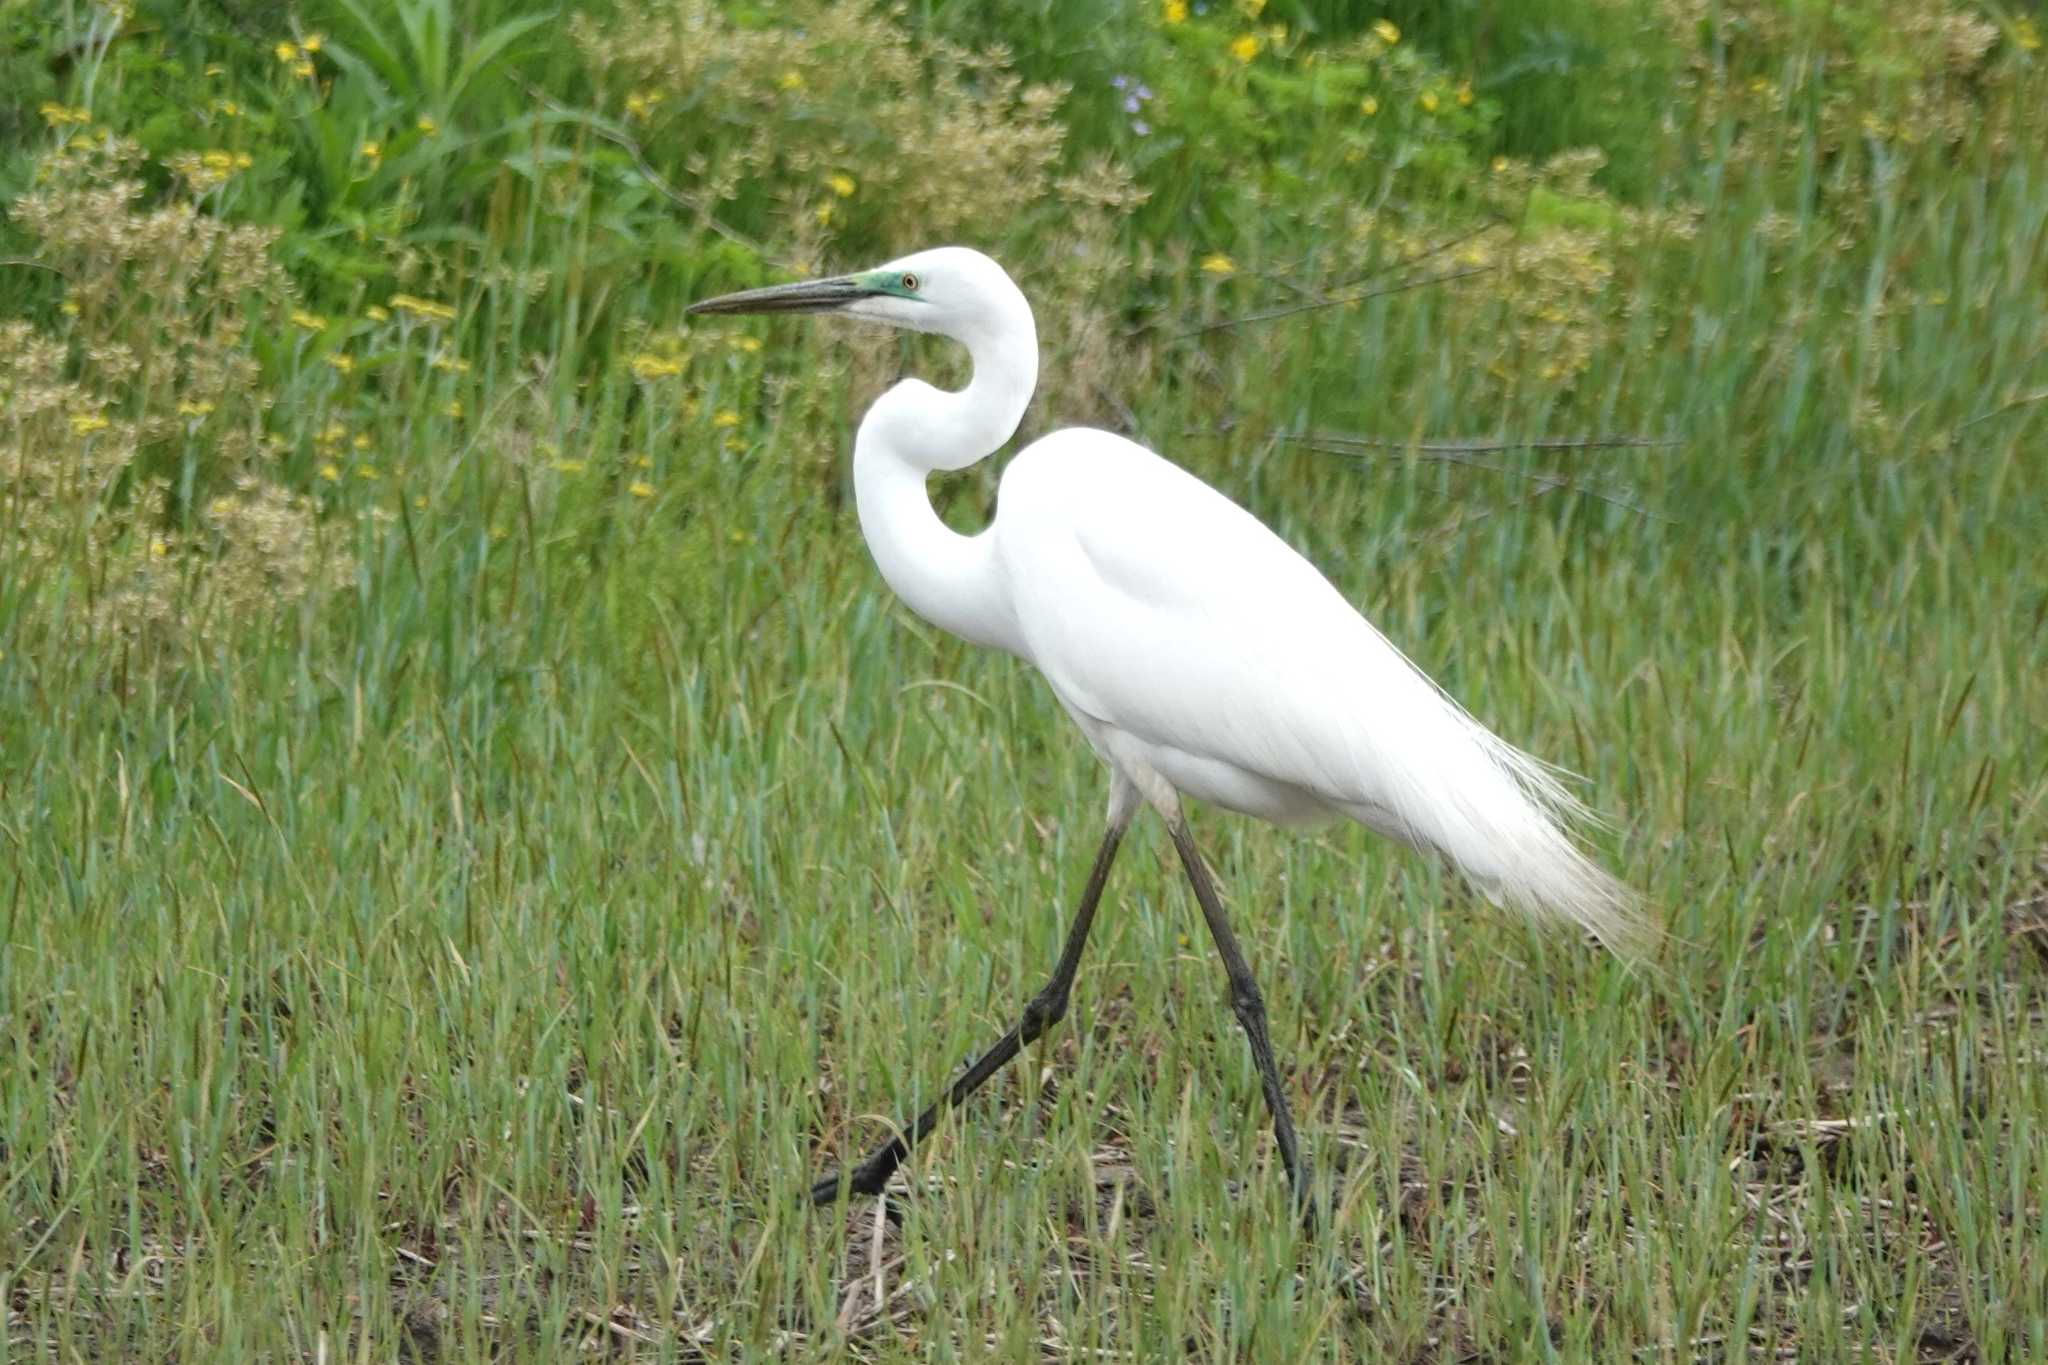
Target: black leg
[1250,1009]
[1045,1009]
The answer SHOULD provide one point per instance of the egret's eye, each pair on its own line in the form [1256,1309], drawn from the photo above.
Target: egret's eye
[910,282]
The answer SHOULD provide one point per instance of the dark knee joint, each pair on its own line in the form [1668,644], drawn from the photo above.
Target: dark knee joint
[1247,1004]
[1044,1010]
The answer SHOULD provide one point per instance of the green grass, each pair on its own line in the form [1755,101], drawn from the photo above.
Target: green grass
[483,962]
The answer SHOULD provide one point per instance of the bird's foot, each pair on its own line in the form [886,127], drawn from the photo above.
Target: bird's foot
[1307,1207]
[862,1180]
[1319,1216]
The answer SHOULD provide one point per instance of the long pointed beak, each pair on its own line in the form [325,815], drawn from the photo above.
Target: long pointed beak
[805,296]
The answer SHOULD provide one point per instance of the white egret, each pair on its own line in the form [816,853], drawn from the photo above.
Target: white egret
[1200,655]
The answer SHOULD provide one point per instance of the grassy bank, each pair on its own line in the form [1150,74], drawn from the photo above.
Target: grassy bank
[477,838]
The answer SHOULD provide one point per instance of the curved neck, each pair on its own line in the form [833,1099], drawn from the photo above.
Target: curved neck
[914,429]
[932,429]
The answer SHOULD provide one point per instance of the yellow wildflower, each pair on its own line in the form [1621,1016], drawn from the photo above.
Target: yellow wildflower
[640,489]
[569,466]
[643,462]
[426,125]
[367,471]
[287,52]
[86,423]
[449,364]
[1386,32]
[2025,35]
[824,215]
[342,363]
[747,344]
[371,150]
[842,184]
[1216,263]
[302,69]
[69,308]
[214,167]
[1427,99]
[1368,106]
[791,80]
[425,309]
[376,313]
[227,108]
[648,367]
[641,103]
[57,115]
[312,322]
[454,408]
[1173,11]
[311,43]
[359,441]
[1500,163]
[1251,8]
[1245,46]
[331,472]
[157,547]
[191,407]
[202,173]
[215,69]
[725,417]
[1464,92]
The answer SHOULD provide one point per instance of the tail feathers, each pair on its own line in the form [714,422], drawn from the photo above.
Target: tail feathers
[1506,822]
[1539,868]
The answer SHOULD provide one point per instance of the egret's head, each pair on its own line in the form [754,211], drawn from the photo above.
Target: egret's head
[952,290]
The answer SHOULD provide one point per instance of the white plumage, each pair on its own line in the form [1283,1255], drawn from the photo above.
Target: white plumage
[1198,652]
[1201,654]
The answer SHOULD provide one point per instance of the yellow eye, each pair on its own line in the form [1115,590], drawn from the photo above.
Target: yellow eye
[910,283]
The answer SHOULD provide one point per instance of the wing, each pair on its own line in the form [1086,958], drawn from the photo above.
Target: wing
[1155,604]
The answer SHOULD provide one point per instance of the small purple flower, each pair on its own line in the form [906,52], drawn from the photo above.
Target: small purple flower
[1144,91]
[1140,127]
[1119,82]
[1131,105]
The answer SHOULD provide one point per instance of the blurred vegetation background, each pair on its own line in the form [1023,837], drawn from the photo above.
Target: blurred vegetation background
[282,252]
[474,832]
